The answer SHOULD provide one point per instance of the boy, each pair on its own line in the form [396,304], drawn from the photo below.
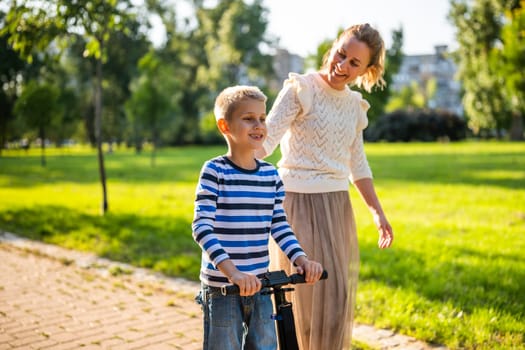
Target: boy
[238,206]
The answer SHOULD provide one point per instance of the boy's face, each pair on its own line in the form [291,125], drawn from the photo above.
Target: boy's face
[246,129]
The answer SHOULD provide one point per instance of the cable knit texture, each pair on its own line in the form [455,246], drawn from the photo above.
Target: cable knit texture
[320,130]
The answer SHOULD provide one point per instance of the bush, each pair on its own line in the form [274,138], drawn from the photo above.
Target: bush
[417,125]
[210,134]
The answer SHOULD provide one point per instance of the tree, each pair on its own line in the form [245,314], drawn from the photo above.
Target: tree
[154,100]
[511,59]
[184,52]
[217,47]
[38,106]
[478,25]
[43,27]
[233,34]
[125,49]
[409,97]
[12,68]
[412,96]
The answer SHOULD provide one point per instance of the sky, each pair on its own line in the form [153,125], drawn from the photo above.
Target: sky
[302,24]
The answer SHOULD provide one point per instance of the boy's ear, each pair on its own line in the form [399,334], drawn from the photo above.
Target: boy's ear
[222,124]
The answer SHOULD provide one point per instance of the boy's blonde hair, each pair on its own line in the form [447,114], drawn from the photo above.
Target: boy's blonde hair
[376,68]
[230,97]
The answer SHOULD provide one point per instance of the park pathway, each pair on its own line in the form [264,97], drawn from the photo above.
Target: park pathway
[58,299]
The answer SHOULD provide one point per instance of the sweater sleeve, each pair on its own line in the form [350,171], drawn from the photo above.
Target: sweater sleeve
[281,230]
[204,216]
[359,167]
[292,101]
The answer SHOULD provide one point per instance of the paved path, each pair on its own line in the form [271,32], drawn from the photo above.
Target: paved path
[53,298]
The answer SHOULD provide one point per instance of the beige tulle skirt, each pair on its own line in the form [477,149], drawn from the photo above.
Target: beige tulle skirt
[325,227]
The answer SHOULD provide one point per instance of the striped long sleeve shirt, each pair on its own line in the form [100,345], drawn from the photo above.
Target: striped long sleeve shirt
[236,211]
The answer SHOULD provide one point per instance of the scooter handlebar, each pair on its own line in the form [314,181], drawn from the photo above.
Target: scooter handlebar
[271,280]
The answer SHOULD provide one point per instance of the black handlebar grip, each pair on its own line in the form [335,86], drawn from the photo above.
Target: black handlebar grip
[297,278]
[292,279]
[234,289]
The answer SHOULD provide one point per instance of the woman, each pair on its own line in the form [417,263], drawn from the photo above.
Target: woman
[319,124]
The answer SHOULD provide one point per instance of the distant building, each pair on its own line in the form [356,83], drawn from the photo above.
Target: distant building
[285,62]
[414,68]
[421,68]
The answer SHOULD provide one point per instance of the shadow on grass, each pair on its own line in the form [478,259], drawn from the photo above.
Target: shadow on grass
[172,165]
[470,280]
[163,244]
[502,169]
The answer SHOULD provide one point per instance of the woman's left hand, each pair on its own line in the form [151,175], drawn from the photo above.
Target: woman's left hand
[386,234]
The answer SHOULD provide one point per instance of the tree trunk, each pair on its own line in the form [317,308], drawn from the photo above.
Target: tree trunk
[3,137]
[155,137]
[98,134]
[42,147]
[516,128]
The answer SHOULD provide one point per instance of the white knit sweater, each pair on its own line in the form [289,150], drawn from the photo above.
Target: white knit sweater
[320,130]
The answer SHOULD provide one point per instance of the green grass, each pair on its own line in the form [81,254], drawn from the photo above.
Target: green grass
[455,275]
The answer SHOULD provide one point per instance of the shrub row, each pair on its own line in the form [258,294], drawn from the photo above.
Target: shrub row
[417,125]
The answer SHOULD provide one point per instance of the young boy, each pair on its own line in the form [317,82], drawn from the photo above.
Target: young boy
[238,206]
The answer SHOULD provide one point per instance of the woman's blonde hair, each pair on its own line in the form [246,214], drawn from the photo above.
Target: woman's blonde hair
[376,67]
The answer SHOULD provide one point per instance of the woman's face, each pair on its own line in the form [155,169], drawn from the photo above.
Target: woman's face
[349,59]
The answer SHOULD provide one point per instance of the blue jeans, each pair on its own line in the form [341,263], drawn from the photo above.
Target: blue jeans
[233,322]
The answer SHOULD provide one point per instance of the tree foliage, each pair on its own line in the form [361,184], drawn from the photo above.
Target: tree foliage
[37,27]
[412,96]
[184,52]
[511,58]
[232,33]
[154,101]
[91,49]
[479,33]
[217,46]
[13,69]
[38,106]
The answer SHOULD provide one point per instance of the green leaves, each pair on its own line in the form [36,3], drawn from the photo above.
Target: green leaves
[487,41]
[232,34]
[38,104]
[92,48]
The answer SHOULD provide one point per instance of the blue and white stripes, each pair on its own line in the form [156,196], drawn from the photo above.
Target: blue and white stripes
[236,211]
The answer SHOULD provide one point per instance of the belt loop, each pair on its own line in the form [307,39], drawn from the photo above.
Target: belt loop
[207,294]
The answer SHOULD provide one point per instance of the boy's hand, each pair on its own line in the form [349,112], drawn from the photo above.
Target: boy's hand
[248,284]
[311,270]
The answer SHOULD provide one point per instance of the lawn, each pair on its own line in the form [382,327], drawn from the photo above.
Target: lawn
[455,275]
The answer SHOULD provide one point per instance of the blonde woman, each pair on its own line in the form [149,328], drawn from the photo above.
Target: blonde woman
[318,122]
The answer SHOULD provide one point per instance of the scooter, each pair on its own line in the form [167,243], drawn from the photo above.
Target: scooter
[274,282]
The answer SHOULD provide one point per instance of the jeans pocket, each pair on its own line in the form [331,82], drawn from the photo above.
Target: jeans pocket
[222,313]
[264,308]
